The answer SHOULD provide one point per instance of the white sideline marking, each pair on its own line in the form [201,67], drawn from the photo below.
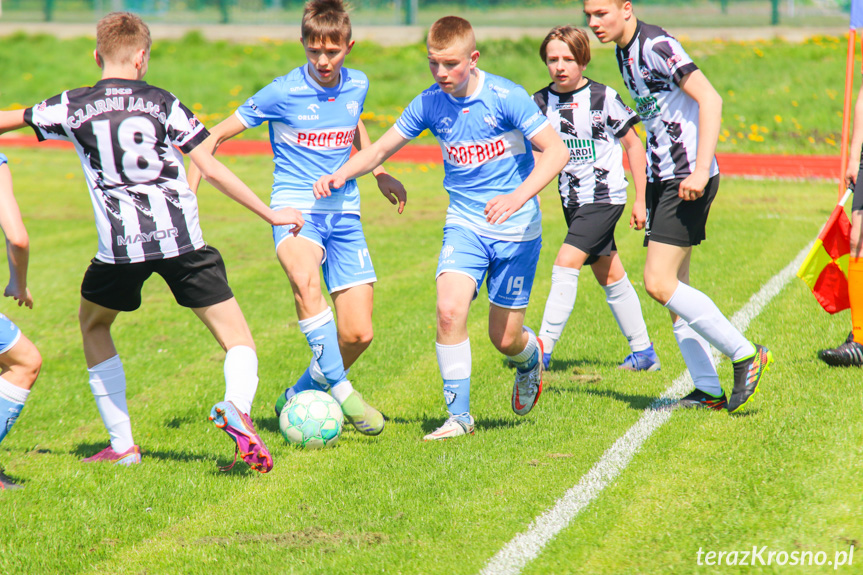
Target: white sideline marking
[526,546]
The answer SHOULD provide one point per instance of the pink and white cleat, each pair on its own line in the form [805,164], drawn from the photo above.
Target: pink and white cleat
[239,426]
[131,456]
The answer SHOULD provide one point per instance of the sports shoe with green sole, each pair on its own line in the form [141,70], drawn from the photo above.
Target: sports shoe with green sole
[365,418]
[747,376]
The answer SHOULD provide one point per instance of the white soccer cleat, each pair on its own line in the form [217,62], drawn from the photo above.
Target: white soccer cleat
[527,387]
[455,426]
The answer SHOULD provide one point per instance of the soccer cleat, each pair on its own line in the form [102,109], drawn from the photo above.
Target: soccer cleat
[283,398]
[747,376]
[455,426]
[249,444]
[546,360]
[365,418]
[129,457]
[849,354]
[6,483]
[644,360]
[703,400]
[528,386]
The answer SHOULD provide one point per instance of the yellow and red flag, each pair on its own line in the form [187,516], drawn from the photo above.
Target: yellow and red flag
[825,269]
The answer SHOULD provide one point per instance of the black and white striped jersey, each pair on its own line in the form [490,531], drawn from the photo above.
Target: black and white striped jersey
[589,120]
[125,133]
[652,65]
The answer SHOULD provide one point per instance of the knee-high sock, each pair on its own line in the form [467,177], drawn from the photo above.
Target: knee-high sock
[698,358]
[323,338]
[527,358]
[12,399]
[704,317]
[241,377]
[108,384]
[454,362]
[855,294]
[626,308]
[558,307]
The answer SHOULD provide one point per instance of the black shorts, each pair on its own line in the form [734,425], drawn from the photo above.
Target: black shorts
[673,221]
[197,279]
[857,202]
[591,229]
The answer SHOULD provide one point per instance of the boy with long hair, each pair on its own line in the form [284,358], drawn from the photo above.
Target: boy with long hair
[127,135]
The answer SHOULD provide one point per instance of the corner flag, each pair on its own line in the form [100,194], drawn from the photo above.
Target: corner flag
[825,269]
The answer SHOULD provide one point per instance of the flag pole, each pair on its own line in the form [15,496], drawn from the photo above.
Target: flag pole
[846,112]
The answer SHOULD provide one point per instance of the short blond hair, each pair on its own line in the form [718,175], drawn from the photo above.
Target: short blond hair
[451,31]
[119,35]
[326,21]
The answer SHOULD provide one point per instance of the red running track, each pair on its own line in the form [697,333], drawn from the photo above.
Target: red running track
[759,165]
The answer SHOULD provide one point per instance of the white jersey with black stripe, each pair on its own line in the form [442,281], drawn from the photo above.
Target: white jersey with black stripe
[652,65]
[589,120]
[126,133]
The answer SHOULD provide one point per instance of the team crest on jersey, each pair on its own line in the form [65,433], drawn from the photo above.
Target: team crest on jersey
[596,118]
[318,350]
[644,71]
[490,120]
[353,107]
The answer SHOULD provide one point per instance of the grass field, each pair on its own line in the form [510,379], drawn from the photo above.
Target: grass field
[779,97]
[784,474]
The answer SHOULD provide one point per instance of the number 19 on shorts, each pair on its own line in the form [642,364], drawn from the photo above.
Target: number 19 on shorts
[514,285]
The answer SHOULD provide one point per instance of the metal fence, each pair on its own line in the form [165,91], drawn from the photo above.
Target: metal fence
[528,13]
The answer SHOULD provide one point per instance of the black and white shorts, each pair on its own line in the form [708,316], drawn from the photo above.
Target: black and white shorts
[673,221]
[591,228]
[197,279]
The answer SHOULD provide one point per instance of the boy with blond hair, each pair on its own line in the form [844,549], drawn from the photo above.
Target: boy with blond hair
[127,135]
[485,125]
[20,361]
[682,113]
[314,120]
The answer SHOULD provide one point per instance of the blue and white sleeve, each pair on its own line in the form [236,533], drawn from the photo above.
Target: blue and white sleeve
[523,113]
[268,104]
[411,123]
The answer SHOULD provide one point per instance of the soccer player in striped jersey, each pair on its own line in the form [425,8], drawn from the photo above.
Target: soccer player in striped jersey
[129,135]
[485,125]
[20,361]
[314,120]
[682,113]
[593,121]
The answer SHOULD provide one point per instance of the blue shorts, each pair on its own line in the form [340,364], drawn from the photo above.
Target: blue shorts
[510,265]
[346,261]
[9,334]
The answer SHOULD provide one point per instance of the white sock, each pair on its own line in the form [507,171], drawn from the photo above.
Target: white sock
[698,357]
[704,317]
[108,384]
[342,390]
[558,307]
[241,377]
[454,361]
[522,359]
[13,393]
[626,308]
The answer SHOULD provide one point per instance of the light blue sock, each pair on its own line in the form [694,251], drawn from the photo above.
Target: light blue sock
[320,332]
[12,400]
[454,362]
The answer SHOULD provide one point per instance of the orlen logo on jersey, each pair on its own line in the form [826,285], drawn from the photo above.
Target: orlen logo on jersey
[480,152]
[153,236]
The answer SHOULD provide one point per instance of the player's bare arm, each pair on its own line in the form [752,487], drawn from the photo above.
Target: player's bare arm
[17,241]
[224,180]
[392,189]
[224,131]
[11,120]
[698,87]
[553,157]
[361,163]
[856,142]
[638,166]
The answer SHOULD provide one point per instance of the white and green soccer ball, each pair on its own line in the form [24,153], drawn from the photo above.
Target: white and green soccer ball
[311,419]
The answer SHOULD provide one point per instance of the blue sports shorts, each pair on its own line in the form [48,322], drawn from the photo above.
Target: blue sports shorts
[346,262]
[9,334]
[510,265]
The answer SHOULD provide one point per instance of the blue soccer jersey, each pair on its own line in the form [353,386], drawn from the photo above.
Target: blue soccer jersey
[312,129]
[486,152]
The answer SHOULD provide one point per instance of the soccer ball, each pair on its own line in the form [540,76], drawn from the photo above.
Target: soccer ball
[311,419]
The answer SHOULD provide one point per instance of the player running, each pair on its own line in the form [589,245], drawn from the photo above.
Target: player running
[682,113]
[314,119]
[593,121]
[20,361]
[127,135]
[485,125]
[850,352]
